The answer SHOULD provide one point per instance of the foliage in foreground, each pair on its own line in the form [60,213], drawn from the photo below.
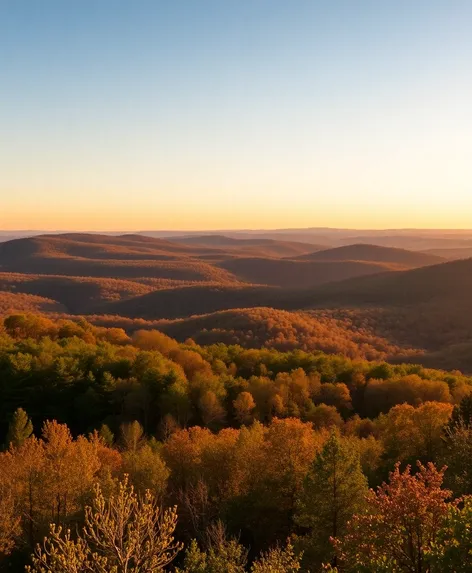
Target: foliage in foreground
[123,534]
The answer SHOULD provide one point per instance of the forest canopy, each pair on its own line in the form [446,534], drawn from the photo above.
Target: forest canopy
[243,442]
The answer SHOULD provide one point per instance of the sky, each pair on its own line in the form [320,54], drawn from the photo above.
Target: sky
[225,114]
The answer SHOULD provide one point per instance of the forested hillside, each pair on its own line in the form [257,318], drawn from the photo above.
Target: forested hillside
[360,299]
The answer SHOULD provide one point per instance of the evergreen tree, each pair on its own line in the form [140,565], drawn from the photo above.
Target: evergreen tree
[20,428]
[462,413]
[333,491]
[457,450]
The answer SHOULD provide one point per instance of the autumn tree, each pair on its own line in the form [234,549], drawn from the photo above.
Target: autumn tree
[289,448]
[414,433]
[336,395]
[401,524]
[28,325]
[146,470]
[333,491]
[69,471]
[19,429]
[430,419]
[210,408]
[23,471]
[382,395]
[132,435]
[124,534]
[278,560]
[9,518]
[154,340]
[324,417]
[244,406]
[452,549]
[222,553]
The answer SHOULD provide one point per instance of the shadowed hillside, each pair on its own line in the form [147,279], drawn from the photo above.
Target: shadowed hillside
[197,299]
[401,258]
[88,294]
[77,294]
[427,308]
[449,282]
[298,274]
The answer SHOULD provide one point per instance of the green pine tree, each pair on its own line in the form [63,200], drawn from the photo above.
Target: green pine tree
[19,429]
[333,491]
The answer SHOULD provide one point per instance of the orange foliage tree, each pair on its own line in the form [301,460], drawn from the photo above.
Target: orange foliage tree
[401,525]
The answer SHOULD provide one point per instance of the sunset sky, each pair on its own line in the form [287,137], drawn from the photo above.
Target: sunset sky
[199,114]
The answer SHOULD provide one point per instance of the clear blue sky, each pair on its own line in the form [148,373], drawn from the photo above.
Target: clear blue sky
[199,114]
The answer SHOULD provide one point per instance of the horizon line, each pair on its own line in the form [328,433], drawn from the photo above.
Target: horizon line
[236,229]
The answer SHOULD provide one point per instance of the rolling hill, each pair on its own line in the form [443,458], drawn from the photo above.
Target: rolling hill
[132,257]
[452,254]
[291,274]
[449,282]
[128,256]
[268,327]
[397,258]
[426,308]
[211,292]
[196,299]
[413,240]
[76,294]
[255,247]
[11,302]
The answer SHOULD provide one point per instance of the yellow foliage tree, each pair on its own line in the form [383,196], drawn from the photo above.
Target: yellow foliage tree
[124,534]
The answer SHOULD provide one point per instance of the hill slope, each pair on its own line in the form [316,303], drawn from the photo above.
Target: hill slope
[18,302]
[401,258]
[426,308]
[298,274]
[452,254]
[195,299]
[127,256]
[255,247]
[267,327]
[447,282]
